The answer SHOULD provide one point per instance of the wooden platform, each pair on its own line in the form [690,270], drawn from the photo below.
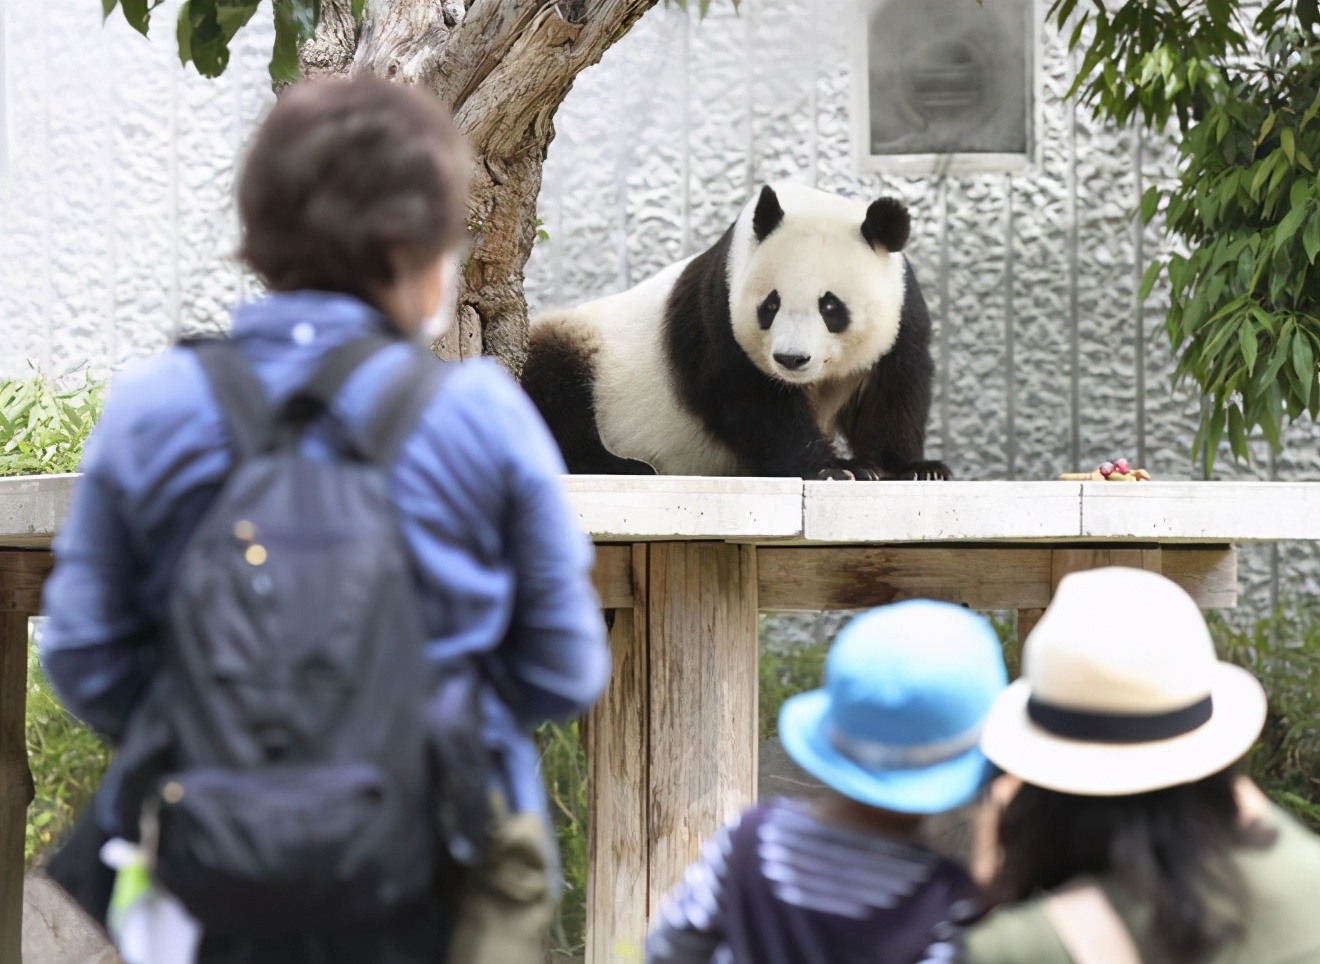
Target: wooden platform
[684,565]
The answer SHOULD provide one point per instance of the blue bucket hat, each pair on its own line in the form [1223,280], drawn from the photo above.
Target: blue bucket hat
[897,725]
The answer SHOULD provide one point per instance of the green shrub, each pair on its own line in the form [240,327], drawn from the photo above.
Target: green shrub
[42,427]
[564,769]
[67,763]
[1284,654]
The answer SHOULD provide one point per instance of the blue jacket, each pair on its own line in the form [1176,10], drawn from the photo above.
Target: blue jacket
[502,563]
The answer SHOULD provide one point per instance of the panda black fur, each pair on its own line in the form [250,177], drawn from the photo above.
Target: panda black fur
[798,345]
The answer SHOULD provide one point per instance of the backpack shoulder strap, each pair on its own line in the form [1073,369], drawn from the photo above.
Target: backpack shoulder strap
[319,391]
[1089,926]
[241,395]
[395,414]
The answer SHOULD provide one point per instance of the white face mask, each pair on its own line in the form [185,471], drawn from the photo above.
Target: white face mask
[433,328]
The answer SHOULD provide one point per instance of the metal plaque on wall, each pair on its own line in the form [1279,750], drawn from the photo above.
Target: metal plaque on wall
[945,86]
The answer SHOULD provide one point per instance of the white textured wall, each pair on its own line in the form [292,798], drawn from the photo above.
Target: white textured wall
[118,223]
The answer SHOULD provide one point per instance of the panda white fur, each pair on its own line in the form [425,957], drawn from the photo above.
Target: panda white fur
[798,345]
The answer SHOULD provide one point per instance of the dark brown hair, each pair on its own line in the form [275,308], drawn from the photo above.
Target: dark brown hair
[342,175]
[1172,847]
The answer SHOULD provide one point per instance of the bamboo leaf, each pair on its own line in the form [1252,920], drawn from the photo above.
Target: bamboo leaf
[1247,342]
[107,8]
[1288,141]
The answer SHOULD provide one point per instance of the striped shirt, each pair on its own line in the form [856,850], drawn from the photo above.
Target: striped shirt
[779,886]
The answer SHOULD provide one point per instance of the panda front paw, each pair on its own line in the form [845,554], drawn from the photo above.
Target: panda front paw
[852,471]
[927,472]
[835,473]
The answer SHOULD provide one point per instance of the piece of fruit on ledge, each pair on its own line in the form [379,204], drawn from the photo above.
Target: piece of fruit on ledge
[1115,471]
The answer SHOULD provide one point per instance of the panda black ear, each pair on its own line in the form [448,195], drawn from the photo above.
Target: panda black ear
[769,214]
[887,224]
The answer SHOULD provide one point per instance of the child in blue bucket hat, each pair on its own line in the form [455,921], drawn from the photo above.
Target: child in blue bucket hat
[894,734]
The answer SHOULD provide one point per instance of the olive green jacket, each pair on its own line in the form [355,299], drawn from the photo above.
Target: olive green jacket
[1282,917]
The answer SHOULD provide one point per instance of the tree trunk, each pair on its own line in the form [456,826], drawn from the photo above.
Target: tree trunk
[503,67]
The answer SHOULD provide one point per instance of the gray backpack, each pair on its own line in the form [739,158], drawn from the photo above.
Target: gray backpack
[300,783]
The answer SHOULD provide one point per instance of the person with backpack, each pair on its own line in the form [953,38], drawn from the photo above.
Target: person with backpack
[845,879]
[319,587]
[1121,833]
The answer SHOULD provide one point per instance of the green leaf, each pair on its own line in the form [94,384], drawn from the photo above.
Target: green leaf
[234,15]
[1288,227]
[207,45]
[1150,202]
[359,8]
[1148,280]
[1308,13]
[1262,173]
[1266,127]
[1288,140]
[138,14]
[295,23]
[183,32]
[1247,342]
[1311,238]
[107,8]
[1237,434]
[1303,359]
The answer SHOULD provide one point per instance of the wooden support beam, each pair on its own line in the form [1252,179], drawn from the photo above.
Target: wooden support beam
[21,576]
[702,616]
[613,576]
[619,787]
[1026,622]
[15,780]
[816,578]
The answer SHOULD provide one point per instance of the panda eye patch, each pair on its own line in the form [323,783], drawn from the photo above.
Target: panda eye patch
[765,313]
[834,311]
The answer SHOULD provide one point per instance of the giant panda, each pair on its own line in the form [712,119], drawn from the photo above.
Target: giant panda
[798,345]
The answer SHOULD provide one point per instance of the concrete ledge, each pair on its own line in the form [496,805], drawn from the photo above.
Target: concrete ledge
[654,508]
[752,510]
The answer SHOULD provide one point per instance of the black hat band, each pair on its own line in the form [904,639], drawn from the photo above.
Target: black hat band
[1095,727]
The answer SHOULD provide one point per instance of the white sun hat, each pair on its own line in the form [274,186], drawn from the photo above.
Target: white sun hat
[1121,692]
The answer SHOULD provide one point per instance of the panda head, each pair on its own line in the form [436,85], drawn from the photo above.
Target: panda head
[816,282]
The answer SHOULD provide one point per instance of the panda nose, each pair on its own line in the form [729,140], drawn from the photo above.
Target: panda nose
[792,362]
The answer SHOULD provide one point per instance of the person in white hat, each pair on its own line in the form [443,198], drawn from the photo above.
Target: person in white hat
[1124,834]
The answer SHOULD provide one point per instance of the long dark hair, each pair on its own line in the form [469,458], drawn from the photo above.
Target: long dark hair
[1172,847]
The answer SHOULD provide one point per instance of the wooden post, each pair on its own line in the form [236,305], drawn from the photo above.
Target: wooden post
[1075,560]
[21,575]
[619,789]
[1026,622]
[702,616]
